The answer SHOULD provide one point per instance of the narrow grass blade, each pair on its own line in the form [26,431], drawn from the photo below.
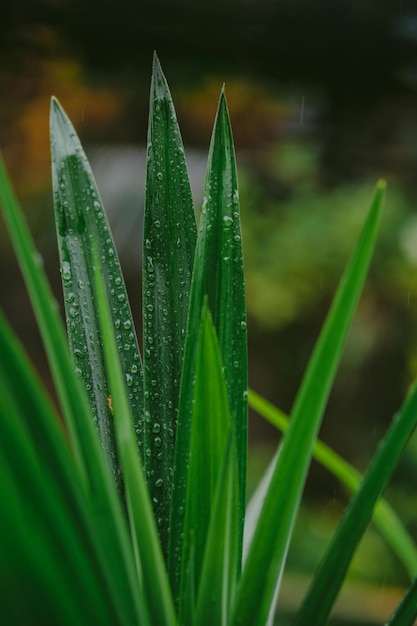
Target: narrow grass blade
[211,428]
[218,273]
[168,253]
[38,463]
[267,552]
[46,311]
[90,466]
[80,216]
[406,612]
[220,562]
[149,559]
[384,517]
[330,575]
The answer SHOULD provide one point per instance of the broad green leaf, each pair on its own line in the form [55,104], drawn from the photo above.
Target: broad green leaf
[330,575]
[267,552]
[147,548]
[384,517]
[79,217]
[90,466]
[220,563]
[217,273]
[210,431]
[168,254]
[67,546]
[406,612]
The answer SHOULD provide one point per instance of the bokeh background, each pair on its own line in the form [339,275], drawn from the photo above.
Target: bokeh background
[323,102]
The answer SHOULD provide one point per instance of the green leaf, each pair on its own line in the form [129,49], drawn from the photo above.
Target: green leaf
[168,255]
[329,577]
[220,563]
[406,612]
[209,435]
[267,552]
[80,216]
[49,535]
[218,273]
[46,311]
[148,553]
[384,517]
[90,466]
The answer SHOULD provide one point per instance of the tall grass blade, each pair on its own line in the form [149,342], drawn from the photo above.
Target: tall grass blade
[90,466]
[148,553]
[218,273]
[384,517]
[210,432]
[40,488]
[79,217]
[168,254]
[406,612]
[220,563]
[330,575]
[267,552]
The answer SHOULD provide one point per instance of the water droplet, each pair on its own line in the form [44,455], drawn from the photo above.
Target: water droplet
[121,297]
[66,270]
[181,511]
[134,369]
[148,244]
[73,312]
[157,223]
[156,427]
[129,380]
[118,281]
[117,323]
[79,353]
[149,307]
[127,324]
[110,252]
[158,442]
[160,176]
[228,221]
[70,297]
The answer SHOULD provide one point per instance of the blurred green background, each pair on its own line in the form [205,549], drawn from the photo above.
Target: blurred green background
[323,102]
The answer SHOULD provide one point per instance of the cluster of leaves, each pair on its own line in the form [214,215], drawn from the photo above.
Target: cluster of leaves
[134,512]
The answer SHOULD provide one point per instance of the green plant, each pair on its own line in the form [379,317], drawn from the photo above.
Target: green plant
[133,512]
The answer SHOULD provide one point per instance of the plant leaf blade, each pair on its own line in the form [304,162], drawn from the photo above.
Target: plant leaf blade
[168,256]
[79,217]
[268,549]
[329,576]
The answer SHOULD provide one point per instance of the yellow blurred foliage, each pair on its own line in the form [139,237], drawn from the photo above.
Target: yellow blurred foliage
[90,108]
